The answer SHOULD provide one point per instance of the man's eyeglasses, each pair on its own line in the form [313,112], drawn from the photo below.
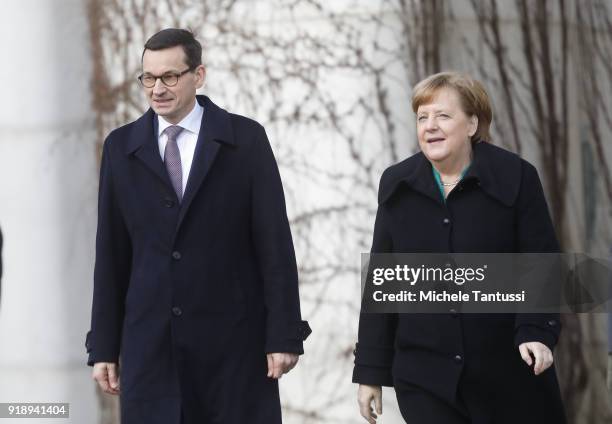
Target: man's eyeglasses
[169,79]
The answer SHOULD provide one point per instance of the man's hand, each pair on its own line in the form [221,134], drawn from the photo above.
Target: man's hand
[107,376]
[542,354]
[365,395]
[280,363]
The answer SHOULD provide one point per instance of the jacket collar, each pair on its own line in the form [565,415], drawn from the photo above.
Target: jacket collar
[496,171]
[215,129]
[217,123]
[190,123]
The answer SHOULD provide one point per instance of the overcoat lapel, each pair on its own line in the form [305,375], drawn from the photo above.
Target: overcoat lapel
[215,130]
[419,178]
[143,144]
[498,175]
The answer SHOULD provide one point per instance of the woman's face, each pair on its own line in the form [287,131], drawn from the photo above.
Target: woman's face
[444,130]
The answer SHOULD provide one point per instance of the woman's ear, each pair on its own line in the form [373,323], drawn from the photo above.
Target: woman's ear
[473,125]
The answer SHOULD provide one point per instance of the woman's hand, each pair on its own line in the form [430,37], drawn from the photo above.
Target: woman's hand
[542,354]
[365,396]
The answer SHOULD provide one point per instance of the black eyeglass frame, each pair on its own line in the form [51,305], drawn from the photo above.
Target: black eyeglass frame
[176,75]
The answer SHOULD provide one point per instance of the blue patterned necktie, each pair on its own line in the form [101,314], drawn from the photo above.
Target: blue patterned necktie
[172,160]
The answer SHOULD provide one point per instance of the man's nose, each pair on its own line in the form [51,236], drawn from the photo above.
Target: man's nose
[159,87]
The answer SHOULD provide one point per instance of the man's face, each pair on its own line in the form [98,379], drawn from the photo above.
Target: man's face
[173,103]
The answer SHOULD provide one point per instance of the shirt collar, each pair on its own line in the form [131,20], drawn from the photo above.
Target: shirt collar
[439,183]
[191,122]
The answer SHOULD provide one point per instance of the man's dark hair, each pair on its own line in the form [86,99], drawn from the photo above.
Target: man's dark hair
[172,37]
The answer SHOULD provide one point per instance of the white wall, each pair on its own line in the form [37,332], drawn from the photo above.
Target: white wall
[47,205]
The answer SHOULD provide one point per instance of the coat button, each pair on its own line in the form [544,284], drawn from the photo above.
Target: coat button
[446,221]
[176,255]
[168,203]
[552,322]
[458,359]
[176,311]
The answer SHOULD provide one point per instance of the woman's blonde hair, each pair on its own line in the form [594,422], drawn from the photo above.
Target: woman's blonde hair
[472,95]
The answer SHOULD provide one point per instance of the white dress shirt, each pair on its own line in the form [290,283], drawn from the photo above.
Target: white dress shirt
[186,140]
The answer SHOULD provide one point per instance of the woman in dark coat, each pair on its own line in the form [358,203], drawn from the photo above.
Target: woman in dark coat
[460,194]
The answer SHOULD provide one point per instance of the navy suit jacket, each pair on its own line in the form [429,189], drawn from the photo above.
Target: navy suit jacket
[190,297]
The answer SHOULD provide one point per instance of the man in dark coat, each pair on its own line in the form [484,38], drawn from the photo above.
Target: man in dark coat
[195,282]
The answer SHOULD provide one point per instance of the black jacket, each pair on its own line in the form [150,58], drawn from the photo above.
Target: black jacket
[498,207]
[192,296]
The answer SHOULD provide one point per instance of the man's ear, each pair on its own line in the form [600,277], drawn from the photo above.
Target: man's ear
[200,72]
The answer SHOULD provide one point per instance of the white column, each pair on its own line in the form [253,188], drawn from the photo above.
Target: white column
[48,186]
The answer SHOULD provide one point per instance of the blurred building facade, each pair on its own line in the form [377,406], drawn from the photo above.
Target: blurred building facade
[48,196]
[331,82]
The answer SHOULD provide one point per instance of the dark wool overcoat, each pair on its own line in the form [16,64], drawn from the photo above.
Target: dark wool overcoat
[498,207]
[191,296]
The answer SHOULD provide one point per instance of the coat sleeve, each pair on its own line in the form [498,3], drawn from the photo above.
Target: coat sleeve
[273,244]
[376,337]
[535,234]
[111,272]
